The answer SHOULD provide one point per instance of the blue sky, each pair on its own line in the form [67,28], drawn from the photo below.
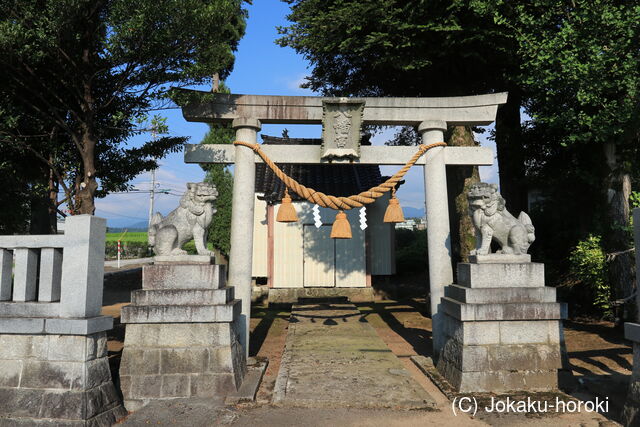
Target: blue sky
[261,68]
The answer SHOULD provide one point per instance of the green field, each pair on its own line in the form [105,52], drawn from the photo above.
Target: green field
[138,236]
[134,245]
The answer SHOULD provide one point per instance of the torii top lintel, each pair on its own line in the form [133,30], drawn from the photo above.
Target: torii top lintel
[476,110]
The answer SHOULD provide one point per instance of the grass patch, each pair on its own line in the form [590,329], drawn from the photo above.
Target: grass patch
[134,245]
[138,237]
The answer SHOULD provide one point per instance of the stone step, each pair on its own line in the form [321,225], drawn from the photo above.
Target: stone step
[181,313]
[182,296]
[501,275]
[504,311]
[183,276]
[500,295]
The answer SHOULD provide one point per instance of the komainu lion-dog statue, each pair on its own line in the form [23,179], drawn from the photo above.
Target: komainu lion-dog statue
[493,222]
[188,221]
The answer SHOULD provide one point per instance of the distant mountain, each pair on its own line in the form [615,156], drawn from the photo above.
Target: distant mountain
[413,212]
[120,224]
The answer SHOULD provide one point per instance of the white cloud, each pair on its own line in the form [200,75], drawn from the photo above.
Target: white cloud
[294,84]
[134,206]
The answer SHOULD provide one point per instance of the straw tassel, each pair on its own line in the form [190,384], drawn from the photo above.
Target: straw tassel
[394,211]
[341,228]
[286,211]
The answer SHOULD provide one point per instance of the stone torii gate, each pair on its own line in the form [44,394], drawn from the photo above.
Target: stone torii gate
[247,113]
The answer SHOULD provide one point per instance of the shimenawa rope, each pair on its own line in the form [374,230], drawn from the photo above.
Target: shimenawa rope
[341,203]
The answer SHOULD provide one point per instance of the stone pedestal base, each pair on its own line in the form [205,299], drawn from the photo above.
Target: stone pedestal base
[61,380]
[181,336]
[501,338]
[171,360]
[631,414]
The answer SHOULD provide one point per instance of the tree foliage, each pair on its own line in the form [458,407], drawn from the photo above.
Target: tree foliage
[588,265]
[220,176]
[82,76]
[572,65]
[580,70]
[416,48]
[400,48]
[579,65]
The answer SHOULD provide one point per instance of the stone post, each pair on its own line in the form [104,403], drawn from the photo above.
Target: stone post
[631,414]
[242,206]
[83,266]
[438,233]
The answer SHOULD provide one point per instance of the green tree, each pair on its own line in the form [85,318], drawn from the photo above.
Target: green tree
[89,72]
[29,184]
[414,48]
[588,265]
[220,176]
[14,198]
[580,69]
[417,48]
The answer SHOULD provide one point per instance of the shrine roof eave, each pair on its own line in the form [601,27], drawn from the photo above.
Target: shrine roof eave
[210,107]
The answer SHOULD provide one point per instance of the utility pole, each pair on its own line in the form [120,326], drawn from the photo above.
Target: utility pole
[152,193]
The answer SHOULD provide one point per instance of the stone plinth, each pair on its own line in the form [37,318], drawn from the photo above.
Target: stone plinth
[631,414]
[56,380]
[181,336]
[502,327]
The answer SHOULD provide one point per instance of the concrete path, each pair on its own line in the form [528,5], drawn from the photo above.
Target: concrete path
[334,358]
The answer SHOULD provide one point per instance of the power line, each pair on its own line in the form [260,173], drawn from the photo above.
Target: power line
[136,191]
[117,214]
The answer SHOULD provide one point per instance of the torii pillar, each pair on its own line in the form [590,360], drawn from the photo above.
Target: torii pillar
[246,113]
[242,207]
[438,232]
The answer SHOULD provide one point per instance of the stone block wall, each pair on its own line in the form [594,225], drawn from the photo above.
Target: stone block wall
[56,380]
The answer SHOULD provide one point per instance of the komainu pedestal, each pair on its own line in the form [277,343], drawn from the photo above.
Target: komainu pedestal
[181,336]
[503,327]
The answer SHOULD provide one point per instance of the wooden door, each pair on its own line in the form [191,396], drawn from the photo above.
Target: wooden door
[319,257]
[351,260]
